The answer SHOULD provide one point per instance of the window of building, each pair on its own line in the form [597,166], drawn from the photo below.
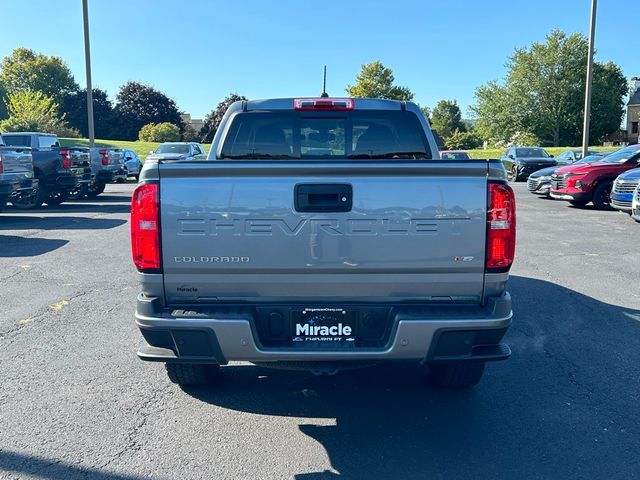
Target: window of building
[634,127]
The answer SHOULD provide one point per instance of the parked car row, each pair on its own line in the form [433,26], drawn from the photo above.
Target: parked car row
[607,180]
[36,170]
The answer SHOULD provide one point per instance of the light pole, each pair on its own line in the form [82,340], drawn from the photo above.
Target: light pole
[87,60]
[587,94]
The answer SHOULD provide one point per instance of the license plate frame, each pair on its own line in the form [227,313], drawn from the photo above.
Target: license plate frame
[324,325]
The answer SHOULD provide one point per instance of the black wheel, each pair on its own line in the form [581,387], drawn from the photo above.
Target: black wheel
[456,374]
[191,373]
[77,192]
[56,197]
[31,199]
[513,175]
[602,196]
[95,189]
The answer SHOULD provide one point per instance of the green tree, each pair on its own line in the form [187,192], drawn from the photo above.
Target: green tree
[160,132]
[607,105]
[74,107]
[543,94]
[32,111]
[138,105]
[446,118]
[426,111]
[24,69]
[213,119]
[376,81]
[3,105]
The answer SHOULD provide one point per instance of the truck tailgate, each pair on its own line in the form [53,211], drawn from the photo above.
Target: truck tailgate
[233,232]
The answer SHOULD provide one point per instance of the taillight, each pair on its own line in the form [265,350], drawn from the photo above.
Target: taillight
[501,228]
[105,157]
[323,104]
[145,227]
[66,158]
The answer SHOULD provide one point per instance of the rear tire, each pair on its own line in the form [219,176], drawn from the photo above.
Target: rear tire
[77,193]
[31,200]
[461,374]
[56,197]
[602,196]
[192,373]
[95,189]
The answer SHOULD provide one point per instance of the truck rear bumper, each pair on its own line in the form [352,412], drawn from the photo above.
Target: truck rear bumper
[424,334]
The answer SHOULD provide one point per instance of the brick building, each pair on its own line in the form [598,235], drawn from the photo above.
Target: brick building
[633,110]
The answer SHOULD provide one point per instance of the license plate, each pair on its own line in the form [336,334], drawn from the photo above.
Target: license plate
[323,325]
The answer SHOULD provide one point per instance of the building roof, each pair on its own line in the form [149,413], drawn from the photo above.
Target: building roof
[635,98]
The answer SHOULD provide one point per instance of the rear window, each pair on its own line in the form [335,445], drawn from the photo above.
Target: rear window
[366,134]
[17,140]
[531,153]
[455,156]
[173,148]
[46,141]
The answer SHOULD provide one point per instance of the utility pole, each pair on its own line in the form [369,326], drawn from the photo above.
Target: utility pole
[587,94]
[87,60]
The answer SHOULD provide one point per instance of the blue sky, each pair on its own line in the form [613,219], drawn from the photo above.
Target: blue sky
[197,51]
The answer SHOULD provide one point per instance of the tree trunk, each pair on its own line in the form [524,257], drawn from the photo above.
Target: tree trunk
[556,136]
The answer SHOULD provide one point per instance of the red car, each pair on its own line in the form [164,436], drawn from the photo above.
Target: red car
[591,182]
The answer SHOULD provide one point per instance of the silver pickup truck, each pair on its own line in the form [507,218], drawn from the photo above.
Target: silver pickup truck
[323,234]
[16,173]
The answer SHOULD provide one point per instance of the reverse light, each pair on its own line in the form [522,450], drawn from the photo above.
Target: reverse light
[323,104]
[105,157]
[66,158]
[145,227]
[501,228]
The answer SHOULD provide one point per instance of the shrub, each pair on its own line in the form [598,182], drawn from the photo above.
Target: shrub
[462,140]
[159,132]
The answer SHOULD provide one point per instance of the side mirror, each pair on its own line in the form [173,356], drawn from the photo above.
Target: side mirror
[128,158]
[551,156]
[150,152]
[511,157]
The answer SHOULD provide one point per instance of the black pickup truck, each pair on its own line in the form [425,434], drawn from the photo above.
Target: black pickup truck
[58,169]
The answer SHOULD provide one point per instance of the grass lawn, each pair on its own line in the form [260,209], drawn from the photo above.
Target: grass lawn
[555,151]
[143,148]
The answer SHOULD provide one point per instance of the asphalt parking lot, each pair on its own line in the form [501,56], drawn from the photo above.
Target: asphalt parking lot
[76,403]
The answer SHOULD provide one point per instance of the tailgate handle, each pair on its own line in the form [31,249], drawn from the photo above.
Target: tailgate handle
[323,197]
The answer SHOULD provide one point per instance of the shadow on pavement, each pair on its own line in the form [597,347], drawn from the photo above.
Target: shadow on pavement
[12,246]
[58,223]
[22,465]
[564,406]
